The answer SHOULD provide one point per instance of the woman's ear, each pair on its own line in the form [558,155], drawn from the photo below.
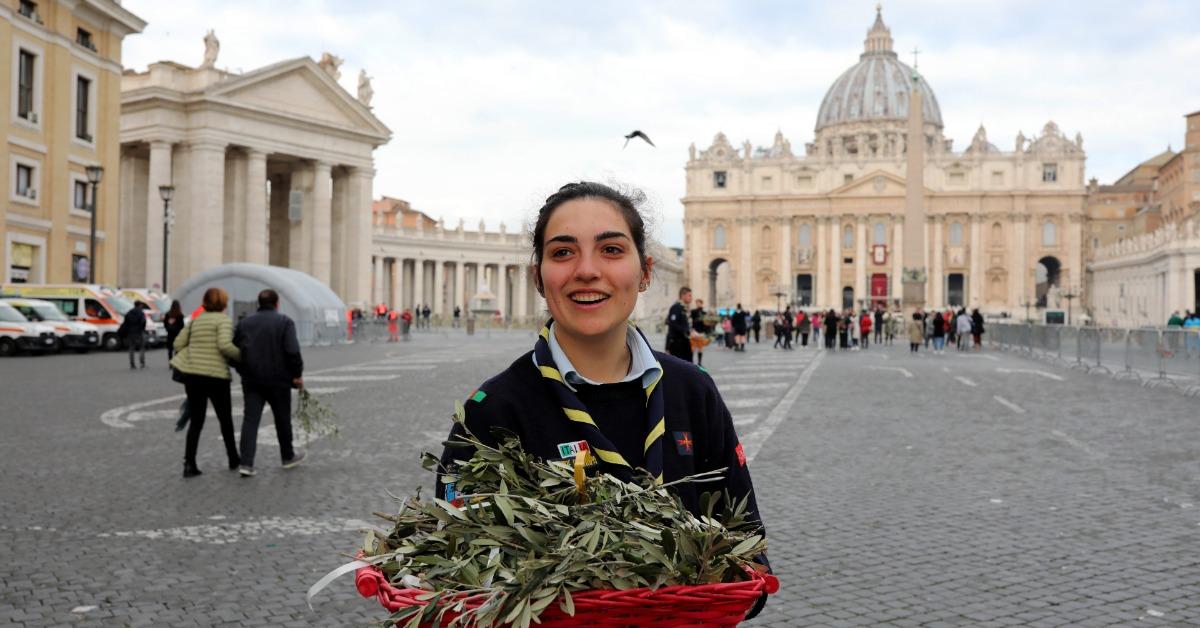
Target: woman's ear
[647,273]
[535,272]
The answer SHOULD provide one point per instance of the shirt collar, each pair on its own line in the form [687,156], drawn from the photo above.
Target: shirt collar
[643,364]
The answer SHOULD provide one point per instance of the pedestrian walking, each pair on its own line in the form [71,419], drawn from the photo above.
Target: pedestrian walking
[804,327]
[832,322]
[425,314]
[756,324]
[739,328]
[818,319]
[963,324]
[679,329]
[393,318]
[786,330]
[203,351]
[890,323]
[864,329]
[133,331]
[844,325]
[927,320]
[271,366]
[916,331]
[406,322]
[878,324]
[778,329]
[939,332]
[457,316]
[173,323]
[977,328]
[700,331]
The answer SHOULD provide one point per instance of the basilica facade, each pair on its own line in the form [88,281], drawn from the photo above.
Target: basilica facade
[824,226]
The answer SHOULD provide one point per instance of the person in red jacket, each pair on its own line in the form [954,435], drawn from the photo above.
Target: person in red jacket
[864,327]
[393,319]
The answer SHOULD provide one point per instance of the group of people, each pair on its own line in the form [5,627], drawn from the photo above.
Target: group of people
[263,349]
[689,330]
[961,329]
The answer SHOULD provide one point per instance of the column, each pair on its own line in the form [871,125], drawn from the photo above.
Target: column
[160,174]
[358,235]
[439,288]
[745,289]
[522,294]
[860,260]
[300,231]
[939,281]
[322,242]
[1017,270]
[418,283]
[460,294]
[397,284]
[697,257]
[502,289]
[975,282]
[820,274]
[926,268]
[254,232]
[377,280]
[785,257]
[206,221]
[1073,242]
[835,262]
[340,186]
[897,253]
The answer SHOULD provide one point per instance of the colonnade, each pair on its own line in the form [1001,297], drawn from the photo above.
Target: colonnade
[407,282]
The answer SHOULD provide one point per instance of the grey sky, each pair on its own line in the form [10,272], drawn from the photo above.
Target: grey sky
[493,105]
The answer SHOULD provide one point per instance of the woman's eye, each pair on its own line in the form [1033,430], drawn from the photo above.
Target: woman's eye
[613,250]
[560,252]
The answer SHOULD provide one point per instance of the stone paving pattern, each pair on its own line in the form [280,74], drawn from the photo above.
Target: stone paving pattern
[890,500]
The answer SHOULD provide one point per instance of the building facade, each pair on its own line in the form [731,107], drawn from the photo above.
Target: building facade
[417,261]
[61,65]
[273,166]
[825,228]
[1151,266]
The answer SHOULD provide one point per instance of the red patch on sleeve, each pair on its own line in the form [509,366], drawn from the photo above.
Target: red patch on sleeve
[741,454]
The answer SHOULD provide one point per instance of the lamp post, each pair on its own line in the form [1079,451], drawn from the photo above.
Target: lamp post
[166,192]
[1027,303]
[1069,295]
[94,175]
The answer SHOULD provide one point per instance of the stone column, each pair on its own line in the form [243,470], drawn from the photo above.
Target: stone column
[835,262]
[322,243]
[397,283]
[439,288]
[460,294]
[254,232]
[300,231]
[975,282]
[820,274]
[338,209]
[788,279]
[745,289]
[203,230]
[502,289]
[377,295]
[1072,241]
[522,295]
[160,174]
[358,235]
[937,274]
[897,254]
[1017,268]
[860,260]
[418,283]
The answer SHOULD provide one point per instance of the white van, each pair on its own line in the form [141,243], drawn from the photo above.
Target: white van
[18,334]
[99,305]
[78,336]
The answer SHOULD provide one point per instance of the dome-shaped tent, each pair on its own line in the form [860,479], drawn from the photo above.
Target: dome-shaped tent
[317,311]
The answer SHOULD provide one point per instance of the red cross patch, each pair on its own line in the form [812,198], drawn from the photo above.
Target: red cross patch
[741,454]
[684,443]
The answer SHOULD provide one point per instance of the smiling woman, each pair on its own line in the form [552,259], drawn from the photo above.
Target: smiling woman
[592,383]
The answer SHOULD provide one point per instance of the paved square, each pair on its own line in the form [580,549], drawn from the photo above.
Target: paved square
[962,489]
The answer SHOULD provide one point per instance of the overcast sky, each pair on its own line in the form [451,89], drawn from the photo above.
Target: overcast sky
[493,105]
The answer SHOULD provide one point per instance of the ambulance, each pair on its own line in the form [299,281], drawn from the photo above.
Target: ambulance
[18,334]
[75,335]
[101,306]
[156,302]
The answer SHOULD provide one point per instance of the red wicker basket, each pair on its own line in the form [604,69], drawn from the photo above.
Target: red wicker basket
[717,605]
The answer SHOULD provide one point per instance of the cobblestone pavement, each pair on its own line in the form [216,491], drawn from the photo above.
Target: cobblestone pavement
[960,489]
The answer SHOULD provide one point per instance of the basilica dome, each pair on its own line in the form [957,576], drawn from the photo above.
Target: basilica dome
[876,88]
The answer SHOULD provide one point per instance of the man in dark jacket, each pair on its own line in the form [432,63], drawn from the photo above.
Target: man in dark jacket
[133,330]
[271,366]
[679,329]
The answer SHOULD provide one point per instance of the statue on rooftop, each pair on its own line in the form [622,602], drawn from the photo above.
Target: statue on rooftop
[365,93]
[330,63]
[212,47]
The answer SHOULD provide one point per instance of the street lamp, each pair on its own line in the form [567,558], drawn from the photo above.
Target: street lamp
[94,175]
[1069,295]
[166,192]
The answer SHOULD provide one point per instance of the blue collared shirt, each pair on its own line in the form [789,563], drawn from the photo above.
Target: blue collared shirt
[642,365]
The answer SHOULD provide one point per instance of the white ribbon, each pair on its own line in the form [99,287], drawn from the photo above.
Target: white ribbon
[333,575]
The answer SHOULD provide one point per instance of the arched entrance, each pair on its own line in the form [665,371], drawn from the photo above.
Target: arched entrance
[847,298]
[1047,275]
[720,284]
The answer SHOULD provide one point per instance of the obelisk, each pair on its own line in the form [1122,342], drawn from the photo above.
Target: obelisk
[914,204]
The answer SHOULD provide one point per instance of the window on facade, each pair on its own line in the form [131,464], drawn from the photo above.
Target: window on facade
[848,237]
[719,179]
[879,233]
[1049,233]
[804,181]
[25,85]
[28,8]
[83,37]
[79,195]
[1095,243]
[848,178]
[1049,173]
[958,178]
[956,234]
[805,236]
[25,181]
[767,240]
[719,237]
[1120,228]
[997,177]
[768,183]
[83,88]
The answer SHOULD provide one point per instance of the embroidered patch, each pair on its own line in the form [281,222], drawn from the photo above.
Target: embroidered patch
[478,396]
[683,443]
[451,494]
[702,368]
[741,455]
[568,450]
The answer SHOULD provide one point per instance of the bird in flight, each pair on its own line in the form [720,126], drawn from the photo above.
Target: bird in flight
[637,133]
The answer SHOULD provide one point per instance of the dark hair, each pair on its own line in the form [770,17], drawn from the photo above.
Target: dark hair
[626,203]
[684,290]
[268,298]
[176,309]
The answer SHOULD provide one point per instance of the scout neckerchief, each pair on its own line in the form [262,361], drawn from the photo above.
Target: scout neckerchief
[611,461]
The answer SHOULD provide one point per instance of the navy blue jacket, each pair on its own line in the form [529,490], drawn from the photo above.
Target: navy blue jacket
[270,350]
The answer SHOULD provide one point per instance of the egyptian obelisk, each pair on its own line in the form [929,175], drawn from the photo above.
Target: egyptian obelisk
[914,203]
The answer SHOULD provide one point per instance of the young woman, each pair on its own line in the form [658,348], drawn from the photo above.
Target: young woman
[592,381]
[173,322]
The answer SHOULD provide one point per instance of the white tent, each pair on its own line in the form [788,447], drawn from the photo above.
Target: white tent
[318,312]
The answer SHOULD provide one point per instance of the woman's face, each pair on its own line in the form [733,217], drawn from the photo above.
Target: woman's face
[590,271]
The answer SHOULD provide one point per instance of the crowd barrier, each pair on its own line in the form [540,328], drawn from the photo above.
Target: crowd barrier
[1152,356]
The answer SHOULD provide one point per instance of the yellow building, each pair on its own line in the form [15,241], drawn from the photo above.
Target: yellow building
[60,63]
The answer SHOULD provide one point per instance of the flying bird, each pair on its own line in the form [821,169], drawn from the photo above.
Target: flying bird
[637,133]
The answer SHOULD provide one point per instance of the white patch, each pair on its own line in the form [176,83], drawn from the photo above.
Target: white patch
[1079,445]
[385,368]
[744,419]
[754,441]
[722,375]
[899,369]
[996,501]
[1008,404]
[225,533]
[966,382]
[762,386]
[1057,378]
[1153,613]
[84,609]
[349,378]
[981,357]
[747,403]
